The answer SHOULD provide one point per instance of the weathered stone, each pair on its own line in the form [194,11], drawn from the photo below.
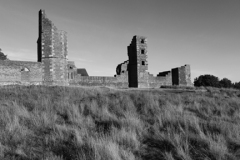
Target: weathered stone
[11,71]
[181,76]
[52,51]
[53,68]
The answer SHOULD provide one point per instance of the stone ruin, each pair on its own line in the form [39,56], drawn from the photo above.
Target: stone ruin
[54,68]
[135,69]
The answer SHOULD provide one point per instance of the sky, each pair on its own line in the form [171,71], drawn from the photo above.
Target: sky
[202,33]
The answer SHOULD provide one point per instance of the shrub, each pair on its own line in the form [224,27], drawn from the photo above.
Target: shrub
[225,83]
[206,80]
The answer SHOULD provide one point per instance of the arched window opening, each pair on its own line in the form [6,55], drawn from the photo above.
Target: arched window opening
[24,69]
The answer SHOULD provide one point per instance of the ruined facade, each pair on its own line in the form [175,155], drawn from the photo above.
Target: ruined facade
[54,68]
[52,51]
[14,72]
[135,69]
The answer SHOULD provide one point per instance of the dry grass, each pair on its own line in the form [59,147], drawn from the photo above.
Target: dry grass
[66,123]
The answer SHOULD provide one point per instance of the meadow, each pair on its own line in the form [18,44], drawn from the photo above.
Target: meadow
[68,123]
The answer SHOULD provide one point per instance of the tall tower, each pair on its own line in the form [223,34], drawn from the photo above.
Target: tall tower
[52,51]
[138,65]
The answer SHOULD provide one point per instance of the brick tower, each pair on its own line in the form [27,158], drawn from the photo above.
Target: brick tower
[52,51]
[138,65]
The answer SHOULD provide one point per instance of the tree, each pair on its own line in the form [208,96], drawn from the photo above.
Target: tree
[2,55]
[226,83]
[206,80]
[237,85]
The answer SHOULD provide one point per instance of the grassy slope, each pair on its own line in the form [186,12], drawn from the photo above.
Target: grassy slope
[57,123]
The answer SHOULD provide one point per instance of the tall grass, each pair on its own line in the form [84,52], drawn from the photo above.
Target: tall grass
[67,123]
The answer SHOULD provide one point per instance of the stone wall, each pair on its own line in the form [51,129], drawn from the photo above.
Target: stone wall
[122,68]
[138,65]
[55,71]
[120,81]
[72,70]
[99,81]
[135,69]
[181,76]
[20,71]
[185,76]
[52,50]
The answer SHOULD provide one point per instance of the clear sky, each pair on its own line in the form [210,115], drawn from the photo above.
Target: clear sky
[202,33]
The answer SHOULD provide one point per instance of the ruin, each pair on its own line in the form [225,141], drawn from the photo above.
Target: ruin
[54,68]
[52,51]
[135,69]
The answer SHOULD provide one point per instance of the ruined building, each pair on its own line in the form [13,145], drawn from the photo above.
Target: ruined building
[136,69]
[53,68]
[52,51]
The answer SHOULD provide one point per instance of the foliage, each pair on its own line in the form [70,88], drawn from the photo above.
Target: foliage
[213,81]
[206,80]
[236,85]
[2,55]
[225,83]
[67,123]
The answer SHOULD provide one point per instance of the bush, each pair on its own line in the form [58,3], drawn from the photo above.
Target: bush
[226,83]
[2,55]
[236,85]
[206,80]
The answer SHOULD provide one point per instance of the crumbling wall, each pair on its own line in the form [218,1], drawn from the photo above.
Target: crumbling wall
[122,68]
[52,48]
[72,70]
[185,76]
[138,65]
[20,71]
[181,76]
[82,72]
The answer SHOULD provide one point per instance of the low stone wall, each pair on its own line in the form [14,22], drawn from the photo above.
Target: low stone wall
[24,71]
[157,82]
[119,81]
[4,83]
[99,81]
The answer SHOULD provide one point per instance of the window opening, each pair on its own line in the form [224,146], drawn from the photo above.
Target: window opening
[143,63]
[142,51]
[142,41]
[25,69]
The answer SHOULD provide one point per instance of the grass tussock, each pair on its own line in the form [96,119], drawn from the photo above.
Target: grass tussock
[66,123]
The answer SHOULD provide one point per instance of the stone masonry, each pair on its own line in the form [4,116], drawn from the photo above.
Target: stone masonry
[138,66]
[52,51]
[54,68]
[20,71]
[135,69]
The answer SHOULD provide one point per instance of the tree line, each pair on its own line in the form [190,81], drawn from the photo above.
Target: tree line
[2,55]
[213,81]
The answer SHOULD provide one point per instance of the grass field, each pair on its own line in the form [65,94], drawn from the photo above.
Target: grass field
[67,123]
